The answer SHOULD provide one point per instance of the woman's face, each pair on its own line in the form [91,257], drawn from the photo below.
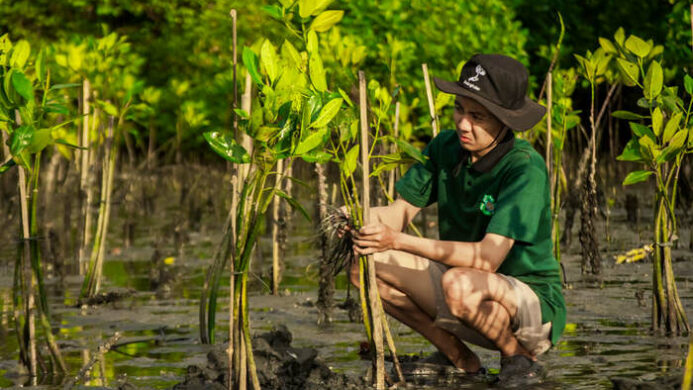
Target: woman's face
[477,129]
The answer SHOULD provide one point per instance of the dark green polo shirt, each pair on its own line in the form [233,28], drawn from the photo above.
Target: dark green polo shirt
[505,192]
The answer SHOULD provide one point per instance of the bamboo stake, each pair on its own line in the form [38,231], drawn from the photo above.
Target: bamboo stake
[431,104]
[393,173]
[232,211]
[84,177]
[372,283]
[234,19]
[246,141]
[275,230]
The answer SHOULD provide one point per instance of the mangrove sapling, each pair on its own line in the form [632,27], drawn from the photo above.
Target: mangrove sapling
[25,117]
[594,68]
[660,141]
[562,119]
[293,122]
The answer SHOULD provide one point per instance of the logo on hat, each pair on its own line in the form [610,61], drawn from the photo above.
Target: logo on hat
[473,79]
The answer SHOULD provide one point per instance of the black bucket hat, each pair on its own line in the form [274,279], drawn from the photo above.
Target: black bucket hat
[499,83]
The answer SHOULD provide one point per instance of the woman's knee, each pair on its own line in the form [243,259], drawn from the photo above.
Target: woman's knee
[458,291]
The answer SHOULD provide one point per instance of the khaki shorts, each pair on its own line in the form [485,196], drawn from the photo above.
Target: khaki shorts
[526,325]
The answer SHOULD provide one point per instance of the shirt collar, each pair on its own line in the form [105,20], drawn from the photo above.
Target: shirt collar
[490,159]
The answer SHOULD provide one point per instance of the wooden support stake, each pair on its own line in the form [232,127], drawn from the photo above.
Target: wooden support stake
[431,102]
[393,149]
[234,19]
[372,283]
[276,248]
[232,214]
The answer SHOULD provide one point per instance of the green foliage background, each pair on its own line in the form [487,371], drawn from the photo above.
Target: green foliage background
[182,49]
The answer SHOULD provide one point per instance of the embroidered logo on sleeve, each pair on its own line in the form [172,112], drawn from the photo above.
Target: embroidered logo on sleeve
[488,205]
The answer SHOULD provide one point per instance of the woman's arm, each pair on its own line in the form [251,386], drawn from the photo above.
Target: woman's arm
[486,255]
[396,215]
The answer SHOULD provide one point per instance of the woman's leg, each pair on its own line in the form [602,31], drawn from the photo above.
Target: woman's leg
[406,290]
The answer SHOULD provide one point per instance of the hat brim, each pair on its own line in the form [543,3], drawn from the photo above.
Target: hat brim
[521,119]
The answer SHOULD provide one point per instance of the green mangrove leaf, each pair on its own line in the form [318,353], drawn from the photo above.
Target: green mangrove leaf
[270,61]
[671,127]
[601,61]
[587,67]
[317,156]
[20,139]
[290,53]
[7,165]
[657,50]
[620,36]
[621,114]
[320,6]
[311,142]
[108,108]
[251,63]
[607,46]
[75,57]
[408,149]
[56,87]
[40,65]
[641,130]
[22,85]
[638,47]
[274,11]
[443,100]
[69,144]
[384,167]
[629,70]
[648,148]
[328,112]
[654,80]
[39,141]
[688,84]
[264,133]
[350,160]
[346,97]
[293,203]
[657,121]
[306,7]
[243,114]
[226,147]
[636,177]
[317,73]
[674,147]
[20,54]
[312,43]
[326,20]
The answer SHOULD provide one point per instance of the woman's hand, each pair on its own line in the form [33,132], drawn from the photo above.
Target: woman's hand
[374,238]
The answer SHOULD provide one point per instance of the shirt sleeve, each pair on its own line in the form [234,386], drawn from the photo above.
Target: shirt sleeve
[419,185]
[522,201]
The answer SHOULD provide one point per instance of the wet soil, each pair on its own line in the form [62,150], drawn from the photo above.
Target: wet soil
[607,337]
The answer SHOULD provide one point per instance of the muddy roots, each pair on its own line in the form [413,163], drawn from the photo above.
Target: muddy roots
[336,227]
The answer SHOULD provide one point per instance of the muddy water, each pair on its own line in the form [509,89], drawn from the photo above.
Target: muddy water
[607,333]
